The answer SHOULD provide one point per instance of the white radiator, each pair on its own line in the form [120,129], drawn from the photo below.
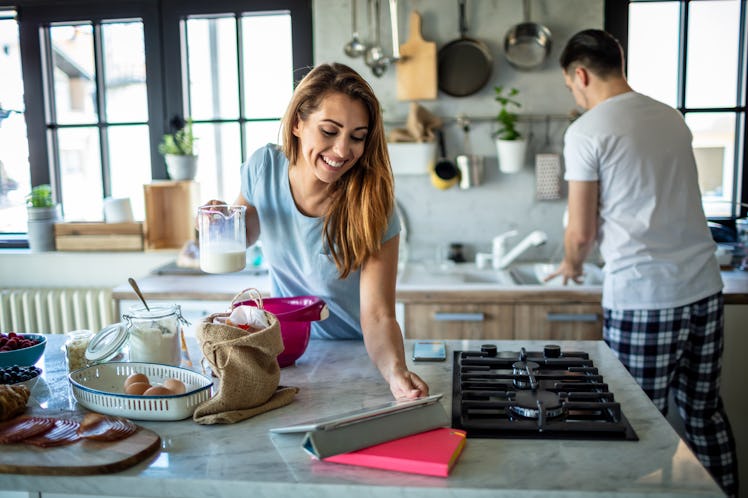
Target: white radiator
[55,311]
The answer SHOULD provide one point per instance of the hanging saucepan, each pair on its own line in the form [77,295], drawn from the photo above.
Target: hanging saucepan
[528,44]
[464,64]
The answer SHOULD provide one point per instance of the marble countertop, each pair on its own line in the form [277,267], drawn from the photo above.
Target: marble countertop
[336,376]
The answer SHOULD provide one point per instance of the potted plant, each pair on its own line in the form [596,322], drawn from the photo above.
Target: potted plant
[510,145]
[178,149]
[42,213]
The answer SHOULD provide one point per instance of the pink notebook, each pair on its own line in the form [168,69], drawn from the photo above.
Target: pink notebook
[432,453]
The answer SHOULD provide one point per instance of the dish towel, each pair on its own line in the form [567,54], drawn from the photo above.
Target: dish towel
[547,177]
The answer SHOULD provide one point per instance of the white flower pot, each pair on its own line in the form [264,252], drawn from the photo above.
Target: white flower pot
[511,155]
[181,167]
[41,226]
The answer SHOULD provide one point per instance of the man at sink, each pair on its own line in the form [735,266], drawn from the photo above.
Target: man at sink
[633,188]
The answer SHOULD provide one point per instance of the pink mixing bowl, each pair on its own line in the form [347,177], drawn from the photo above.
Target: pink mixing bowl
[295,315]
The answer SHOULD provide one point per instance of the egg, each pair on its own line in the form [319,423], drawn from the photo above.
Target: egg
[137,388]
[176,386]
[158,390]
[136,377]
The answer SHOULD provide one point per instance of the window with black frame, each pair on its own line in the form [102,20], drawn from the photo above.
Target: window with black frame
[108,78]
[691,55]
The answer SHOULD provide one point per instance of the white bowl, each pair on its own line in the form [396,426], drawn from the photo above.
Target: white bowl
[101,388]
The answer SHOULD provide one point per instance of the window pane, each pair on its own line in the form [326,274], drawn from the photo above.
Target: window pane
[124,70]
[653,50]
[714,148]
[74,79]
[220,159]
[268,67]
[260,133]
[15,181]
[130,164]
[80,168]
[212,68]
[712,66]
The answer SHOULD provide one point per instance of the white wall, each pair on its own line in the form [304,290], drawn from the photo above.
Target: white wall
[504,201]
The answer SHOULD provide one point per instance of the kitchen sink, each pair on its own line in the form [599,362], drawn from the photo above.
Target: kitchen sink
[476,276]
[535,274]
[420,274]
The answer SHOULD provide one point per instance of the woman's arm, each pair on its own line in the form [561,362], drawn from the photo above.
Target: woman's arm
[382,335]
[252,225]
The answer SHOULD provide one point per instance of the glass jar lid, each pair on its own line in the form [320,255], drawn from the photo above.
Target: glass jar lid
[107,343]
[140,312]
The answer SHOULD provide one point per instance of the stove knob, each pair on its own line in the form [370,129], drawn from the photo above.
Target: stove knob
[552,351]
[488,349]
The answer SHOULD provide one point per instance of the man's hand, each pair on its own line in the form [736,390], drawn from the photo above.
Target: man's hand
[567,271]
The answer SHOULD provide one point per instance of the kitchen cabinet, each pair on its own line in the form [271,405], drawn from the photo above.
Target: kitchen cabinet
[579,321]
[459,321]
[490,320]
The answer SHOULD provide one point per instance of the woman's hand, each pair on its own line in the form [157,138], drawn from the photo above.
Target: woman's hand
[407,385]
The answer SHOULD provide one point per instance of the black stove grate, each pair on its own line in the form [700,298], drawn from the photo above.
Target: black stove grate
[549,394]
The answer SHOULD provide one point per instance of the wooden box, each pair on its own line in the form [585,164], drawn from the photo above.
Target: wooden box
[170,212]
[91,236]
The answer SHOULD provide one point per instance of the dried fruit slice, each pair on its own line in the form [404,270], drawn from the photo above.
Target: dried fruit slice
[22,428]
[64,432]
[98,427]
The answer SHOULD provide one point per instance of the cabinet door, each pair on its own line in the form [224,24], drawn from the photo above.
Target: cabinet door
[558,321]
[458,321]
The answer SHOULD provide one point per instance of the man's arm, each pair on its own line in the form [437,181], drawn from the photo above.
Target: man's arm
[581,231]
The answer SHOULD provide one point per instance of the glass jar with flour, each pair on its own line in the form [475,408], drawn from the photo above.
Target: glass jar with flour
[155,335]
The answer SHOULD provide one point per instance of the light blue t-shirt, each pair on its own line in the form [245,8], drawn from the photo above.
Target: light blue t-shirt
[300,264]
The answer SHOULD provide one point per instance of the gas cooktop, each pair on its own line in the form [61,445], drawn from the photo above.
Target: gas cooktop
[534,394]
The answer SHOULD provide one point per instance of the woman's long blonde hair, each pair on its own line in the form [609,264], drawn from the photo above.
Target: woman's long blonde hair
[364,197]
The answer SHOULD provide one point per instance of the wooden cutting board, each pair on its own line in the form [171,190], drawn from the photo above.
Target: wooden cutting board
[80,458]
[416,71]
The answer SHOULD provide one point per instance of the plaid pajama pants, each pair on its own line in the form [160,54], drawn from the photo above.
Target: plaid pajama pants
[681,349]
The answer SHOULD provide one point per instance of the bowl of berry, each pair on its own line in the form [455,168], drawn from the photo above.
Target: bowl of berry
[21,349]
[17,375]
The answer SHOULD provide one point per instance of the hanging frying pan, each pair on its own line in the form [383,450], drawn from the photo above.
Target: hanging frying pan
[464,64]
[528,44]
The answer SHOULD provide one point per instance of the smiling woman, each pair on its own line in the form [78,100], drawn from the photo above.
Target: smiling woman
[324,205]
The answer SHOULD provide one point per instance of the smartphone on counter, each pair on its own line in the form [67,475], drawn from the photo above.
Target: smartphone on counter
[429,351]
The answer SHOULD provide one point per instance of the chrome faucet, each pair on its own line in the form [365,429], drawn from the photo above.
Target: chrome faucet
[500,257]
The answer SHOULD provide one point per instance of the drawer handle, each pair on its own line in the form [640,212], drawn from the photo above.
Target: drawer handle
[459,317]
[572,317]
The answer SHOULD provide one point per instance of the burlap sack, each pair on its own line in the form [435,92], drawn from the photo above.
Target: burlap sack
[247,368]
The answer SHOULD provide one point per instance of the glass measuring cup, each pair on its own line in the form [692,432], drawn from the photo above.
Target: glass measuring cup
[223,238]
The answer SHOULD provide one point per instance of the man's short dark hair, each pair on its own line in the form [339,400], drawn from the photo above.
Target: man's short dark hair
[596,50]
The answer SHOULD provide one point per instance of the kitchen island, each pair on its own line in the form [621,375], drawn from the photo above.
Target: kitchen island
[244,459]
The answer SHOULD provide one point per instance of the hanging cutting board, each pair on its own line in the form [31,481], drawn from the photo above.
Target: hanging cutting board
[416,71]
[80,458]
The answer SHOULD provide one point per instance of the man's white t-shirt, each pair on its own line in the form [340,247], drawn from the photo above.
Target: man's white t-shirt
[652,231]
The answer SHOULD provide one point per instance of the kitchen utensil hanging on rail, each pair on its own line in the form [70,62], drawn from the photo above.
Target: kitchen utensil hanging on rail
[375,57]
[548,170]
[464,64]
[416,71]
[445,174]
[528,44]
[355,47]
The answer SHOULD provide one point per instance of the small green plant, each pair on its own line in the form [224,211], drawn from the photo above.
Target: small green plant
[40,197]
[507,120]
[181,142]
